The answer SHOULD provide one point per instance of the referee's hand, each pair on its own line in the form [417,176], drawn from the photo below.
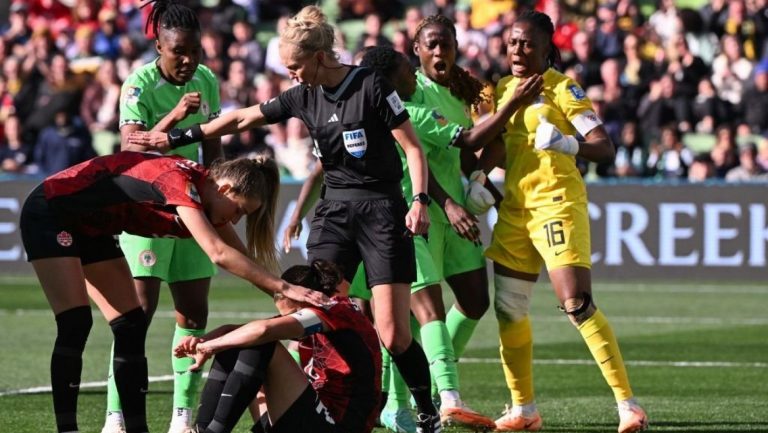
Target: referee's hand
[417,219]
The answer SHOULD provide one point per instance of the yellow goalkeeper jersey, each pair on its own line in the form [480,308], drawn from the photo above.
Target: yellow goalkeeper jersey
[541,178]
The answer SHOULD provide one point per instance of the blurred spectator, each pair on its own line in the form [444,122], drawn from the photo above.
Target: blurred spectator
[637,72]
[49,14]
[686,68]
[631,155]
[14,154]
[340,47]
[701,42]
[485,12]
[412,19]
[731,71]
[245,48]
[755,100]
[671,159]
[608,37]
[724,151]
[16,31]
[63,144]
[702,168]
[748,168]
[564,29]
[584,67]
[235,89]
[628,15]
[99,108]
[84,14]
[664,20]
[59,90]
[213,52]
[221,18]
[130,56]
[82,57]
[661,106]
[296,153]
[404,45]
[106,41]
[709,111]
[465,33]
[733,20]
[372,36]
[272,56]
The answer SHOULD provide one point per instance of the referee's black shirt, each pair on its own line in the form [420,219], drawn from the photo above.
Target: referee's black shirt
[351,127]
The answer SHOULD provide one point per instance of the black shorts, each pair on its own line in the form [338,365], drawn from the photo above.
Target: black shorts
[45,237]
[306,414]
[371,231]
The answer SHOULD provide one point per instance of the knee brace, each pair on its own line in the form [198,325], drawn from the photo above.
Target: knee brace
[512,298]
[72,329]
[579,308]
[130,331]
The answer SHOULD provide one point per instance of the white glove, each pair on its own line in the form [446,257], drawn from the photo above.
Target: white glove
[479,199]
[548,137]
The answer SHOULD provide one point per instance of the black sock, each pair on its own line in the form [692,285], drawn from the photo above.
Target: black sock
[130,368]
[72,329]
[221,366]
[243,382]
[414,368]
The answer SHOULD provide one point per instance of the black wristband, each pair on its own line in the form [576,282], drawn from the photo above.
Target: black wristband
[178,137]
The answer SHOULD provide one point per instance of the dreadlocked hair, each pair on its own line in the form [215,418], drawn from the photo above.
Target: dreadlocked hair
[168,14]
[542,22]
[381,59]
[321,276]
[461,83]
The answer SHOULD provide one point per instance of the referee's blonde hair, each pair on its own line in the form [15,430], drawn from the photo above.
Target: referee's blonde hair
[310,32]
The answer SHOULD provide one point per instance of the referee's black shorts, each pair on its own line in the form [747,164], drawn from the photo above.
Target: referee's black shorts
[44,236]
[372,231]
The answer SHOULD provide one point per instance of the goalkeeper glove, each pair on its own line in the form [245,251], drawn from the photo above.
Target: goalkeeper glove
[548,137]
[478,199]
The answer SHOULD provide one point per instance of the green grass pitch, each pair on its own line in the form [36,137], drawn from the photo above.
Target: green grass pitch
[697,357]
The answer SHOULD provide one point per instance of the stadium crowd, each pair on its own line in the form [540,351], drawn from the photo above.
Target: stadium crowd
[683,92]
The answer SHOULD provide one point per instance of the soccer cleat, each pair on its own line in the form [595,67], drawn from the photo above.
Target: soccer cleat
[462,415]
[632,417]
[512,420]
[180,428]
[428,423]
[397,420]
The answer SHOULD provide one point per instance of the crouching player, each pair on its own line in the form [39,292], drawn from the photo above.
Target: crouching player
[340,385]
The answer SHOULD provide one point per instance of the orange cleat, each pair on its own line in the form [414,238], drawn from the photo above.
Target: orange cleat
[510,421]
[464,416]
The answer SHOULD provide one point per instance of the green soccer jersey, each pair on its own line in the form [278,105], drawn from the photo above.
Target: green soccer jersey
[436,135]
[438,118]
[146,97]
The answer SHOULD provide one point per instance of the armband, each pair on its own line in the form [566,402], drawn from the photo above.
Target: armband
[178,137]
[309,321]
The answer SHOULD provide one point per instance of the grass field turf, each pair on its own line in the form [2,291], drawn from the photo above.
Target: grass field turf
[696,355]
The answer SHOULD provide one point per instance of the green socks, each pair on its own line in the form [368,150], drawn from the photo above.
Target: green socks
[113,399]
[185,382]
[439,350]
[461,328]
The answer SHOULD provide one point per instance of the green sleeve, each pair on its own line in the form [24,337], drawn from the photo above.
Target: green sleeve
[432,128]
[134,109]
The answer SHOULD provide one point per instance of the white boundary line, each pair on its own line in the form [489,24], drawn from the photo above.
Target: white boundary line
[674,364]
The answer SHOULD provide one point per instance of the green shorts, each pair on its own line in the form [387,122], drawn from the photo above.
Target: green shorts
[426,272]
[452,254]
[171,260]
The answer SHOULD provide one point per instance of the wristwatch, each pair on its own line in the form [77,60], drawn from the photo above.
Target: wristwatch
[422,198]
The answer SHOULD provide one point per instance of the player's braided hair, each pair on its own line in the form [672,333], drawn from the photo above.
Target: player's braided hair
[321,276]
[460,83]
[542,22]
[381,59]
[168,14]
[259,178]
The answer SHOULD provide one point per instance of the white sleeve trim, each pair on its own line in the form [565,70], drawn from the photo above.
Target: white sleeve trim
[586,121]
[309,320]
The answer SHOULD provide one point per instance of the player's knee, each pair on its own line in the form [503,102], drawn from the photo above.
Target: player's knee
[579,308]
[512,298]
[73,327]
[130,331]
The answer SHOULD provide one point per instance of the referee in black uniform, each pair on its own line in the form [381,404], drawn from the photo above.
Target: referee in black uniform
[354,117]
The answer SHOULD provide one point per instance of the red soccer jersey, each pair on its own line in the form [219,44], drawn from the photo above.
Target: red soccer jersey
[344,365]
[133,192]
